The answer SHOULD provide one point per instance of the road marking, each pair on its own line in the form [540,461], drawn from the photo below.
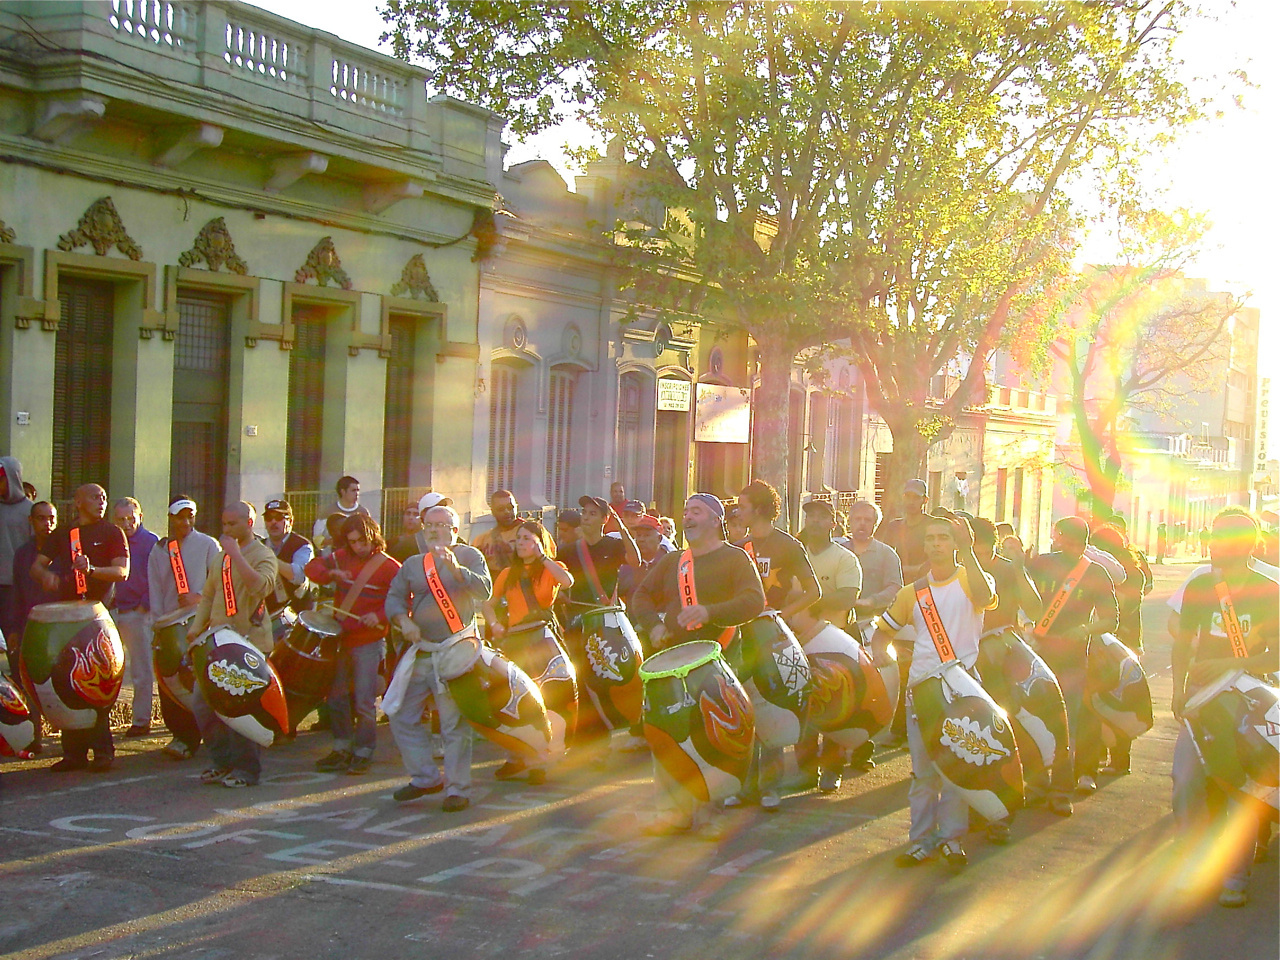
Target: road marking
[495,868]
[73,823]
[736,866]
[91,788]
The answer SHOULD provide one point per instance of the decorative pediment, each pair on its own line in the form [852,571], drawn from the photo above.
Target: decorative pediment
[323,265]
[415,281]
[102,228]
[6,234]
[214,247]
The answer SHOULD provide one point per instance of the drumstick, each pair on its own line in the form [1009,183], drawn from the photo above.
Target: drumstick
[339,612]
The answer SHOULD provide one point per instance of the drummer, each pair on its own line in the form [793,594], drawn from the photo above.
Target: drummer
[960,592]
[174,581]
[234,596]
[461,576]
[1205,649]
[789,586]
[293,552]
[85,561]
[524,592]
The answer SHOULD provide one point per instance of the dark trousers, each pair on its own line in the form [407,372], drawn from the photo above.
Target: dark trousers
[76,744]
[809,757]
[180,721]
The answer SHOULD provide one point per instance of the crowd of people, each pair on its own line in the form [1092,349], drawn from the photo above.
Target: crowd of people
[922,588]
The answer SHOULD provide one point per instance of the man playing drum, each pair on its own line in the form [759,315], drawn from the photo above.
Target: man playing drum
[293,552]
[84,562]
[1228,622]
[955,595]
[234,596]
[365,571]
[434,598]
[176,573]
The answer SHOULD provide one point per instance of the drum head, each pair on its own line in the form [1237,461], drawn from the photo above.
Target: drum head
[67,611]
[317,621]
[521,629]
[458,658]
[181,615]
[680,660]
[1207,693]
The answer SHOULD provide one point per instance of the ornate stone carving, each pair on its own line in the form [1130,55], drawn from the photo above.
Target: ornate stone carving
[6,234]
[323,265]
[214,247]
[101,226]
[415,281]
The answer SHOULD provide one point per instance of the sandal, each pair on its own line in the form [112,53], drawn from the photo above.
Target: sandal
[235,781]
[214,775]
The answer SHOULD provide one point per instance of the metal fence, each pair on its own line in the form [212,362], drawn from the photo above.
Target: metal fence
[307,505]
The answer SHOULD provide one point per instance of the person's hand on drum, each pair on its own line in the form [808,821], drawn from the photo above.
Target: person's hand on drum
[1206,671]
[188,599]
[691,618]
[657,635]
[369,620]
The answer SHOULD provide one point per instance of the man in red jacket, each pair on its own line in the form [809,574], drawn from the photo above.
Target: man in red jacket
[363,572]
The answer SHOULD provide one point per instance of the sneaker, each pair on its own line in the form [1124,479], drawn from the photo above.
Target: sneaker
[1086,785]
[410,792]
[509,770]
[1233,898]
[770,801]
[732,802]
[139,730]
[455,804]
[178,750]
[829,782]
[334,761]
[1110,771]
[913,856]
[537,777]
[100,764]
[68,764]
[235,781]
[954,854]
[1061,806]
[632,744]
[998,832]
[214,775]
[359,765]
[863,765]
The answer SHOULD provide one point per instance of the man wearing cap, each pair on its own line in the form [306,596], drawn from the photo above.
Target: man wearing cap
[498,544]
[906,533]
[1080,605]
[293,552]
[131,611]
[434,598]
[176,574]
[652,546]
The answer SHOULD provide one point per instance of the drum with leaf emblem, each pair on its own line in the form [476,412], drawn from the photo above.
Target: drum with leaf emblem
[613,654]
[239,684]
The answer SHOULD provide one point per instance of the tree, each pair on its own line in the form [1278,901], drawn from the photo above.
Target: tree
[886,173]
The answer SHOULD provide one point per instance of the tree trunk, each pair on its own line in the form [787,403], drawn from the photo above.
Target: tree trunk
[908,460]
[1101,470]
[771,416]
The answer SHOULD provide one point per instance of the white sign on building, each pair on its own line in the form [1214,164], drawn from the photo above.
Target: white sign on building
[723,414]
[675,395]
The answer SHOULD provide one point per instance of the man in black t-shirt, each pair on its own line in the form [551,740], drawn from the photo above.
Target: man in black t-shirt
[103,561]
[1014,588]
[1203,651]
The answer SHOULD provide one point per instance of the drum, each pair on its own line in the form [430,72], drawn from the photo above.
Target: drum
[968,737]
[1118,690]
[169,653]
[240,686]
[1021,682]
[305,661]
[698,720]
[17,728]
[282,623]
[533,647]
[73,660]
[497,698]
[1235,723]
[614,655]
[776,675]
[849,702]
[890,674]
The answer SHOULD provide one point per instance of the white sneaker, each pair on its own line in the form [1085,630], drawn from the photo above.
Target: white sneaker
[631,744]
[770,801]
[732,802]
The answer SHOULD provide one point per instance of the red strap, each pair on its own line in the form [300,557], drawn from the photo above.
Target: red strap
[179,570]
[1060,598]
[1230,622]
[689,594]
[593,576]
[441,595]
[228,590]
[933,623]
[82,586]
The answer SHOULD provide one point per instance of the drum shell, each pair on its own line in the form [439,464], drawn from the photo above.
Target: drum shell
[171,658]
[500,700]
[849,702]
[73,661]
[17,727]
[1019,680]
[700,728]
[613,655]
[775,673]
[306,663]
[239,684]
[970,740]
[1118,689]
[1236,734]
[539,654]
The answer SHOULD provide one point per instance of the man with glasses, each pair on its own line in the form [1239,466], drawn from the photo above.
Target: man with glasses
[293,552]
[364,571]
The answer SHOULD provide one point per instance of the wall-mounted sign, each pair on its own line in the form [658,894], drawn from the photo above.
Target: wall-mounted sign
[675,395]
[723,414]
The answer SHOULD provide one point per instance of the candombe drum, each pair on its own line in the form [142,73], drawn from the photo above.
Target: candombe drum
[1235,723]
[239,684]
[614,655]
[1021,682]
[73,660]
[849,702]
[776,675]
[698,720]
[282,623]
[970,740]
[496,697]
[533,647]
[306,661]
[1118,690]
[171,657]
[890,674]
[17,728]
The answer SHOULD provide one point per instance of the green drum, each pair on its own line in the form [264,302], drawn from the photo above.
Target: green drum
[496,697]
[614,655]
[170,656]
[73,660]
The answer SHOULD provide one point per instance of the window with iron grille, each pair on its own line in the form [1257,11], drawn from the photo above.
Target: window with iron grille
[306,400]
[82,386]
[201,361]
[630,411]
[397,435]
[503,397]
[559,435]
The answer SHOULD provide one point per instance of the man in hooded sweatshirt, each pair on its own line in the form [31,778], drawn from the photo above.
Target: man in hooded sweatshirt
[15,530]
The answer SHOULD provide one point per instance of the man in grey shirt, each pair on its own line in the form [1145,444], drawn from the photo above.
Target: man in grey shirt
[881,568]
[464,575]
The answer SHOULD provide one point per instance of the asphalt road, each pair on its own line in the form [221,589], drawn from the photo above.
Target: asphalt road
[145,862]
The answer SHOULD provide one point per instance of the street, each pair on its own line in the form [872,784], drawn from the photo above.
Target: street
[146,862]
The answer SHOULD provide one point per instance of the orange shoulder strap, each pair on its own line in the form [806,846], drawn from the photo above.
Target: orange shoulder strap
[179,569]
[82,586]
[933,621]
[228,589]
[439,593]
[689,594]
[1060,598]
[1230,622]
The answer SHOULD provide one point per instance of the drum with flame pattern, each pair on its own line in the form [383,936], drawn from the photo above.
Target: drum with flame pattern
[849,702]
[17,727]
[73,660]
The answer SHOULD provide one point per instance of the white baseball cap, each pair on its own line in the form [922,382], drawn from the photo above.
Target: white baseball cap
[433,499]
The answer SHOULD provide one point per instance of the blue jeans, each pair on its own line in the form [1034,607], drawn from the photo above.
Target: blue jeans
[358,667]
[229,750]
